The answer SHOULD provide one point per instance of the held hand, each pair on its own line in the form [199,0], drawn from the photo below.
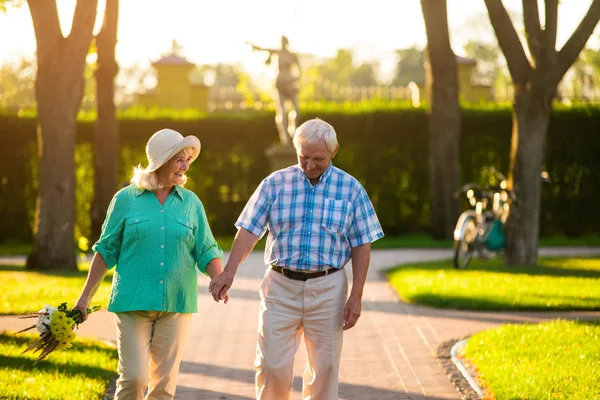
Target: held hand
[219,286]
[352,311]
[82,305]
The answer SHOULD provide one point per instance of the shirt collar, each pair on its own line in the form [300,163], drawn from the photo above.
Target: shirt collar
[178,190]
[324,176]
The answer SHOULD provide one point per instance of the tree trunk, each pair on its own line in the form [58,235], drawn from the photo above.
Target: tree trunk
[535,75]
[531,117]
[59,91]
[106,138]
[444,120]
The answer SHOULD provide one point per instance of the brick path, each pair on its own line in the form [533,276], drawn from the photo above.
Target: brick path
[388,355]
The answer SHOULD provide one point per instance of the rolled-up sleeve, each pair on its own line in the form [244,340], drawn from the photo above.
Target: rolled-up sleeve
[365,227]
[255,214]
[109,244]
[206,248]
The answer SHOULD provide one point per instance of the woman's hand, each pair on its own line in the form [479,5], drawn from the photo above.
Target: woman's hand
[82,305]
[219,286]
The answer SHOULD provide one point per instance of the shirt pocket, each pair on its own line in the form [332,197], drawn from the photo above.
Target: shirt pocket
[184,231]
[137,227]
[337,216]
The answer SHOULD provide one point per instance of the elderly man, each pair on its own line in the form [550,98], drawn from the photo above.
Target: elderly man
[318,217]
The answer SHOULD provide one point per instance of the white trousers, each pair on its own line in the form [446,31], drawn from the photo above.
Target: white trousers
[288,310]
[150,345]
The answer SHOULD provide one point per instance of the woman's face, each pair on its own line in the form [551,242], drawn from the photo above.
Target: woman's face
[173,171]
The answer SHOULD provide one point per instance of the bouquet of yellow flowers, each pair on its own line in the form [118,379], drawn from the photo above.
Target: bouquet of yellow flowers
[55,326]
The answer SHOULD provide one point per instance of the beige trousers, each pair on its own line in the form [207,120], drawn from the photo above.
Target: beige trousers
[150,345]
[288,310]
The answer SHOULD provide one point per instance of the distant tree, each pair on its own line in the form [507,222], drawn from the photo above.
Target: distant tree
[444,120]
[363,75]
[582,79]
[535,75]
[488,57]
[410,67]
[17,84]
[106,138]
[479,43]
[226,75]
[320,79]
[59,91]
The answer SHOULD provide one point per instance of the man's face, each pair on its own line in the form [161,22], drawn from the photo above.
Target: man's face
[314,158]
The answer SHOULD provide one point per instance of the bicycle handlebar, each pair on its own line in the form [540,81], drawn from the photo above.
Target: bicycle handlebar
[498,174]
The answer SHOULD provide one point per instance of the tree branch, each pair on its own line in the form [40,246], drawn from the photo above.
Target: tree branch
[509,42]
[107,37]
[551,26]
[82,28]
[570,51]
[531,17]
[108,32]
[45,24]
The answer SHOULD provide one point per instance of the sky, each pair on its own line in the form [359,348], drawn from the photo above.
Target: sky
[216,31]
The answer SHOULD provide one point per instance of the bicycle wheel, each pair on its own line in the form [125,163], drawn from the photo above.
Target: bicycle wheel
[464,237]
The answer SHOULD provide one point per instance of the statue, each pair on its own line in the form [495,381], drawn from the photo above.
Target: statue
[286,88]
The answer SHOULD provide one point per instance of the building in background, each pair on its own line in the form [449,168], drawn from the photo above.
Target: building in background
[469,90]
[174,88]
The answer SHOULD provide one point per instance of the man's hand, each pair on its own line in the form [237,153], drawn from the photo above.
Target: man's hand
[219,286]
[352,311]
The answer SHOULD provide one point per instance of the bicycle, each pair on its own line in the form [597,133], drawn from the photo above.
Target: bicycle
[481,229]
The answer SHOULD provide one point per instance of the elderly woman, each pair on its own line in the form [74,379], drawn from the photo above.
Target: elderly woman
[156,233]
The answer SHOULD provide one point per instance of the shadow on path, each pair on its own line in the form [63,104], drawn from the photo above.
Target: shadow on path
[346,390]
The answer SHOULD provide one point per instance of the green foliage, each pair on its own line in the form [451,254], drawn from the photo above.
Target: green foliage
[24,291]
[320,80]
[383,144]
[81,372]
[410,67]
[555,284]
[552,360]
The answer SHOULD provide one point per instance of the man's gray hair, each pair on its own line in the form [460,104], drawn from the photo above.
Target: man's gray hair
[314,130]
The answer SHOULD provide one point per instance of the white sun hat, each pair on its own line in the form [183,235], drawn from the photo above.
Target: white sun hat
[164,144]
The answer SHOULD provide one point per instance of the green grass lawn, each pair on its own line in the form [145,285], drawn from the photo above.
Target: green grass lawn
[556,284]
[24,291]
[81,372]
[553,360]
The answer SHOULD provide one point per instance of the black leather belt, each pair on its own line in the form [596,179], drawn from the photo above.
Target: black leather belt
[302,276]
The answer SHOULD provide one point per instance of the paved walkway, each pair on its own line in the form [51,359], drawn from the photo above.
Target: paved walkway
[388,355]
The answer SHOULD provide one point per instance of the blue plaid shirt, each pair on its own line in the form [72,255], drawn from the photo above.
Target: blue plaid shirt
[311,228]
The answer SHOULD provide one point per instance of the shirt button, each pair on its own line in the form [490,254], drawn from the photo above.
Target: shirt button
[162,246]
[310,211]
[162,263]
[162,210]
[161,282]
[137,220]
[162,228]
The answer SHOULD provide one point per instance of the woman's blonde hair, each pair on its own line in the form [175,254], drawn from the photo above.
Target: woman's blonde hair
[143,179]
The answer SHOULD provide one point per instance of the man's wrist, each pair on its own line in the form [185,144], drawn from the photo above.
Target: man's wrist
[357,296]
[229,269]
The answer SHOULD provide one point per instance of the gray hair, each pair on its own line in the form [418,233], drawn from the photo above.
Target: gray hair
[314,130]
[143,179]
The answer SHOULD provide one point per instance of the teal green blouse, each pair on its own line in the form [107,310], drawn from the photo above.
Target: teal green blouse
[156,249]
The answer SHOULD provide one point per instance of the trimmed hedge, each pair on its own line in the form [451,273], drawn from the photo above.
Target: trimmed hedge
[387,150]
